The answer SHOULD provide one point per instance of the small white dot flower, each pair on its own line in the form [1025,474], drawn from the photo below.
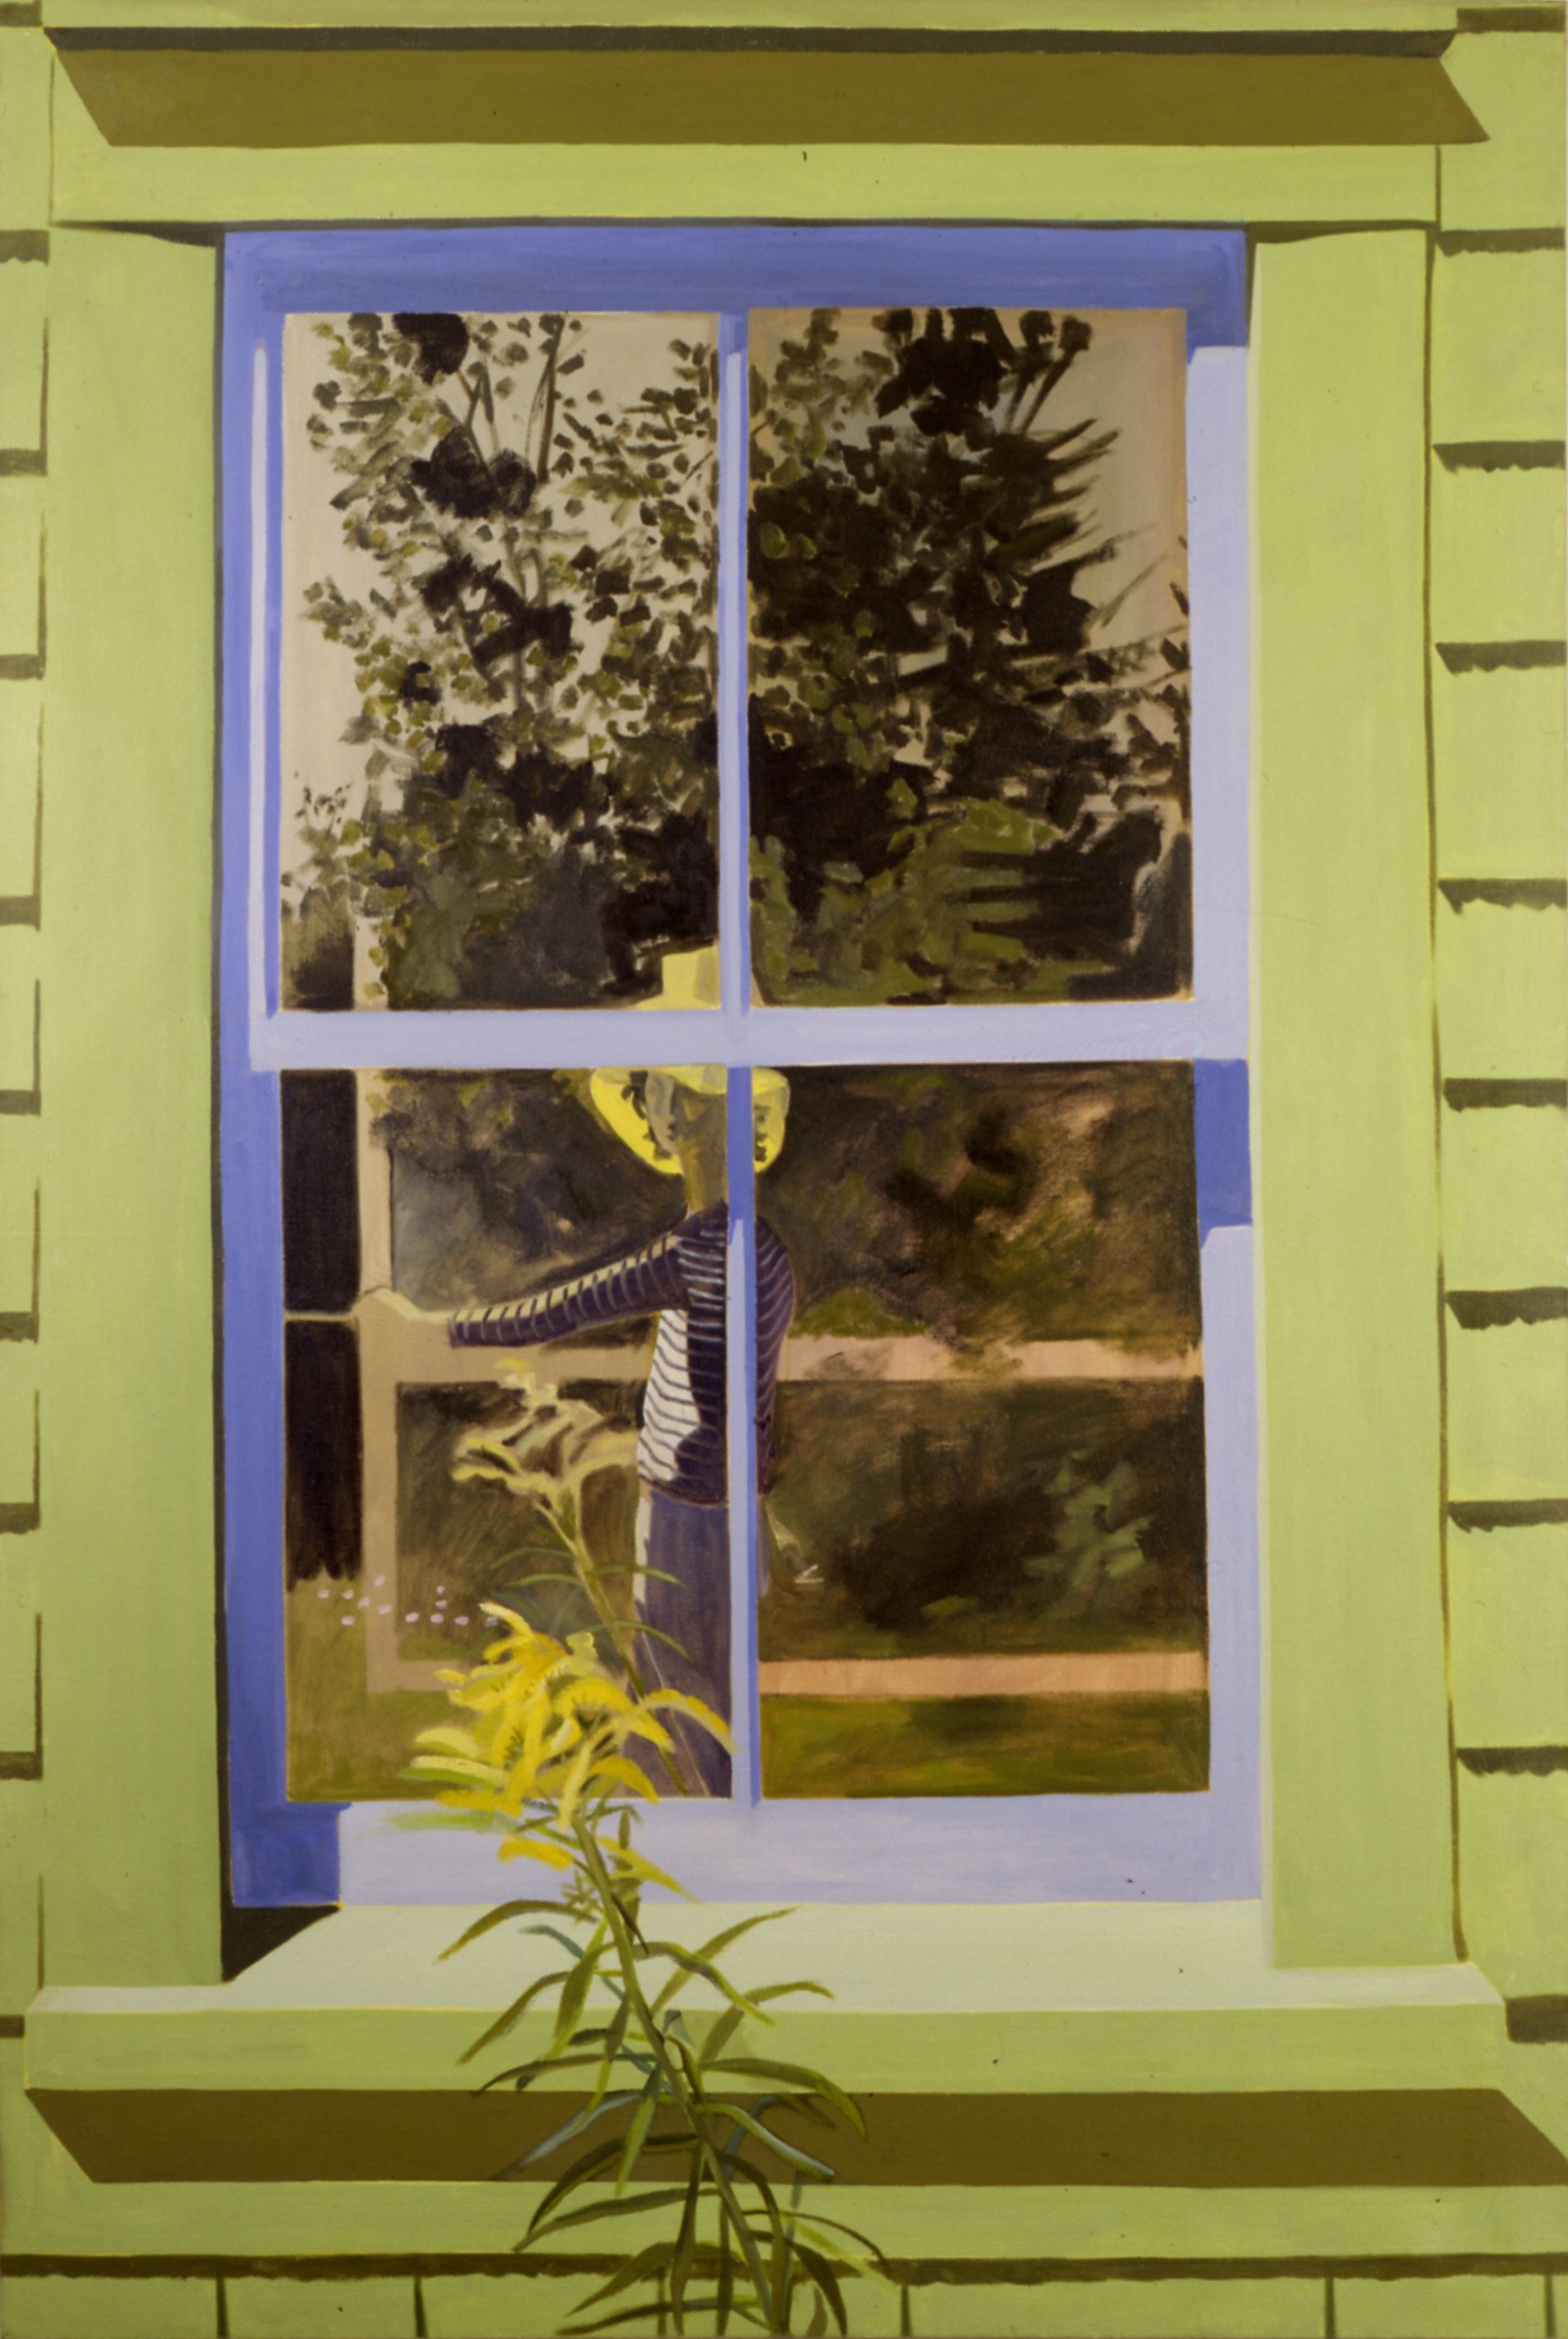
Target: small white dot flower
[412,1617]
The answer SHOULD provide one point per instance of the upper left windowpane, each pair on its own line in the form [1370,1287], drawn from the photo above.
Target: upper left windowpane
[497,725]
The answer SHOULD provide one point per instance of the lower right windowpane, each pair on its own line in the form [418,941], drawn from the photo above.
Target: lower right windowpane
[984,1541]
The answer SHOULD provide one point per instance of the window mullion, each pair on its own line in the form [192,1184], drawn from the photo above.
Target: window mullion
[740,1398]
[734,811]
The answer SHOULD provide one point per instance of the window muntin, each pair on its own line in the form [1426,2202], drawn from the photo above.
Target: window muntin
[1198,1843]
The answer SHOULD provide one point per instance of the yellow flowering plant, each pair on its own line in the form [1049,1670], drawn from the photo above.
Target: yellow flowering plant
[687,2116]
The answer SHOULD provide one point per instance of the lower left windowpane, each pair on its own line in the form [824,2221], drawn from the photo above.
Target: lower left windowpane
[519,1403]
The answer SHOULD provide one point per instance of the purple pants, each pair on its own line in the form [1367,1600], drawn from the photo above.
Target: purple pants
[691,1541]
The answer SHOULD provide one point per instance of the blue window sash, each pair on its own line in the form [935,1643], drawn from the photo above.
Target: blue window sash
[1180,1846]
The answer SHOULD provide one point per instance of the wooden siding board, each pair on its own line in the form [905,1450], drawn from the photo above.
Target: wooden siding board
[1345,1114]
[1508,1411]
[1505,1199]
[1502,992]
[372,2307]
[1513,1878]
[1508,1606]
[21,567]
[25,67]
[129,1519]
[1513,82]
[1498,554]
[1497,345]
[88,2306]
[1282,2307]
[1499,754]
[24,290]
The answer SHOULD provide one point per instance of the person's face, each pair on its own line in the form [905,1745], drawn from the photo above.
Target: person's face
[685,1123]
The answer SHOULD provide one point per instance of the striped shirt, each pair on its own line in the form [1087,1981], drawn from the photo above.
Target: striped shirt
[682,1276]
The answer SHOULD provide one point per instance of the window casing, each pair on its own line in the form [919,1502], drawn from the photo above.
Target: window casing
[1199,1845]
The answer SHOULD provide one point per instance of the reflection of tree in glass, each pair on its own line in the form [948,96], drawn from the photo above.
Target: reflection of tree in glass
[534,661]
[502,1181]
[978,1521]
[993,1203]
[961,785]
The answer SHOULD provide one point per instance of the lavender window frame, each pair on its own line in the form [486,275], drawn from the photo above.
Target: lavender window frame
[1192,1846]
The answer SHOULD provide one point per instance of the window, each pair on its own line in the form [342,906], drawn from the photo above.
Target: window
[1014,1413]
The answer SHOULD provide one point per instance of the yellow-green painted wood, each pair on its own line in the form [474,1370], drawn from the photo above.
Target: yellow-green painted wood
[1346,1116]
[22,1817]
[24,286]
[1282,2307]
[21,738]
[21,566]
[1498,770]
[1454,2306]
[518,2306]
[1166,17]
[19,960]
[1079,2051]
[1536,2078]
[18,1392]
[1502,976]
[1508,1412]
[126,1544]
[1497,345]
[216,96]
[98,2306]
[370,2306]
[1513,1879]
[59,2211]
[1505,1199]
[1508,1602]
[93,181]
[1496,556]
[19,1225]
[26,63]
[19,1651]
[1513,83]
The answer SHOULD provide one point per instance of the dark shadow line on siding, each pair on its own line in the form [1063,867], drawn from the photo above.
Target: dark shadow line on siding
[1501,454]
[1514,1761]
[1505,892]
[1487,657]
[1530,1510]
[1483,1311]
[1469,1095]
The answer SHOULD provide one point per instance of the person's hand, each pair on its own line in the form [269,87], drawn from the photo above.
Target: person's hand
[397,1302]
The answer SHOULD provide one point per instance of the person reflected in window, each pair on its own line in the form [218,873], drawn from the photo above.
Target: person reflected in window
[674,1119]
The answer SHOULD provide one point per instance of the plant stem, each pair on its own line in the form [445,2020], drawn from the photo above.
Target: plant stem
[674,2077]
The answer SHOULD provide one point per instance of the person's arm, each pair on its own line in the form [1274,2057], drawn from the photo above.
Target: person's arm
[638,1285]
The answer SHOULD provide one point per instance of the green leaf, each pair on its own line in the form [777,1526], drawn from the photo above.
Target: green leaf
[583,2170]
[701,1967]
[568,2131]
[797,2075]
[791,2154]
[513,2014]
[632,2204]
[577,1988]
[494,1917]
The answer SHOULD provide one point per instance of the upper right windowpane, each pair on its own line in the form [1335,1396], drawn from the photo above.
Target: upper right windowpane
[970,703]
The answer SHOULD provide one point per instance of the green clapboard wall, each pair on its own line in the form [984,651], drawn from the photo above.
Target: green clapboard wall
[1345,2114]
